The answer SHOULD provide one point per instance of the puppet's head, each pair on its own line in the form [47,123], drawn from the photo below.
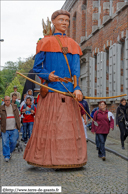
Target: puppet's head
[60,20]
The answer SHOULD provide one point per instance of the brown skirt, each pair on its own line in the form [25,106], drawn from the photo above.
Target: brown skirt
[58,139]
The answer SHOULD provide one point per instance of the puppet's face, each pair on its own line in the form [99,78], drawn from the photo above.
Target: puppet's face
[61,23]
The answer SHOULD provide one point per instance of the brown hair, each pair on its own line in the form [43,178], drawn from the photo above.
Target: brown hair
[60,12]
[101,102]
[14,94]
[123,99]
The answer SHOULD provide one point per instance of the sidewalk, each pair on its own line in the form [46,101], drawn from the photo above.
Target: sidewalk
[112,145]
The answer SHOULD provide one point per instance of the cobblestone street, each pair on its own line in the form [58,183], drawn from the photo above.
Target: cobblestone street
[96,177]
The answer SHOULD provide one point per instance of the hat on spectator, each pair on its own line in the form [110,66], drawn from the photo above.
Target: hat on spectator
[15,87]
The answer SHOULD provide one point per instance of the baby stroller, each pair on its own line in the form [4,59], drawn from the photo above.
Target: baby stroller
[89,125]
[19,145]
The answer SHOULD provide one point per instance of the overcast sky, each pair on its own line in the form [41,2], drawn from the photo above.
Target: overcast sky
[21,26]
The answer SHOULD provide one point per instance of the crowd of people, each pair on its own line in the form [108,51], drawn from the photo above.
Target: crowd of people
[16,116]
[57,136]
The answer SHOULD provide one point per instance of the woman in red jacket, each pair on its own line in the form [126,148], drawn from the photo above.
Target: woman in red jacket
[105,120]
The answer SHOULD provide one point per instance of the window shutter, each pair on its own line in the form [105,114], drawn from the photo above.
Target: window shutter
[92,77]
[98,74]
[118,70]
[110,71]
[114,70]
[103,75]
[126,68]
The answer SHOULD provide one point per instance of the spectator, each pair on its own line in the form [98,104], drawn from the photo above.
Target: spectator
[105,122]
[83,116]
[86,107]
[122,120]
[22,103]
[15,101]
[93,111]
[10,125]
[15,91]
[2,101]
[28,119]
[96,137]
[29,94]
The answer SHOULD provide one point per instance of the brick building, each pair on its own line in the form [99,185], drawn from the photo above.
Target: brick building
[101,29]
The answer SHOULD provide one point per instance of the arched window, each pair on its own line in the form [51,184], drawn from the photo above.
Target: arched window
[84,6]
[74,27]
[68,31]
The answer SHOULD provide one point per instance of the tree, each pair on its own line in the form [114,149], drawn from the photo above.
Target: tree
[1,89]
[8,73]
[25,67]
[1,85]
[10,89]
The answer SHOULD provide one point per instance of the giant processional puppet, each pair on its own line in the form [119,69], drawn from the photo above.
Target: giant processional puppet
[58,139]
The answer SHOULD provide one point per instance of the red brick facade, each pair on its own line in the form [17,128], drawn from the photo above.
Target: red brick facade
[81,23]
[98,24]
[101,29]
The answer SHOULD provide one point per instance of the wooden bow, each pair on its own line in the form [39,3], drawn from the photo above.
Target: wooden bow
[66,93]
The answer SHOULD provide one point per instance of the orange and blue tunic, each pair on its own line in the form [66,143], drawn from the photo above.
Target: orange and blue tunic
[49,57]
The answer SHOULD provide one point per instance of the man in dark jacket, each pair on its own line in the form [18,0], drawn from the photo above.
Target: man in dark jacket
[122,120]
[10,125]
[86,107]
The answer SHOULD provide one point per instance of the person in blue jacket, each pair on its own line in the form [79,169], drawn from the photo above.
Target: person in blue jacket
[96,138]
[86,107]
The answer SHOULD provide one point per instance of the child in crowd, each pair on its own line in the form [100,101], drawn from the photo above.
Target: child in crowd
[29,94]
[28,110]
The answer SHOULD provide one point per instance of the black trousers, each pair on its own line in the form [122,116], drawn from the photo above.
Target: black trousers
[123,132]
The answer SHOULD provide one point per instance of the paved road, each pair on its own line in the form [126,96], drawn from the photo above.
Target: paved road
[113,144]
[96,177]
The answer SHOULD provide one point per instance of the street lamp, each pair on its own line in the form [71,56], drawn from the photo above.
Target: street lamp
[1,40]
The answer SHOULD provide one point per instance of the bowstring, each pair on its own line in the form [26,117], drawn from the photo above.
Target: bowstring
[76,100]
[71,82]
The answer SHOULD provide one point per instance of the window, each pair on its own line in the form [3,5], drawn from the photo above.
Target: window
[122,67]
[74,27]
[107,73]
[95,75]
[84,6]
[110,9]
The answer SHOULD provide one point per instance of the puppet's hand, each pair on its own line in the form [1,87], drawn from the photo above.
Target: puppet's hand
[78,95]
[52,77]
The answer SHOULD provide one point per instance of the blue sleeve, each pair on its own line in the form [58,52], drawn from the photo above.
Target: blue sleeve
[92,113]
[87,109]
[39,68]
[75,69]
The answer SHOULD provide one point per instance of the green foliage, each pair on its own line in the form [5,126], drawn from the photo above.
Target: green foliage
[10,89]
[8,74]
[24,67]
[1,89]
[1,85]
